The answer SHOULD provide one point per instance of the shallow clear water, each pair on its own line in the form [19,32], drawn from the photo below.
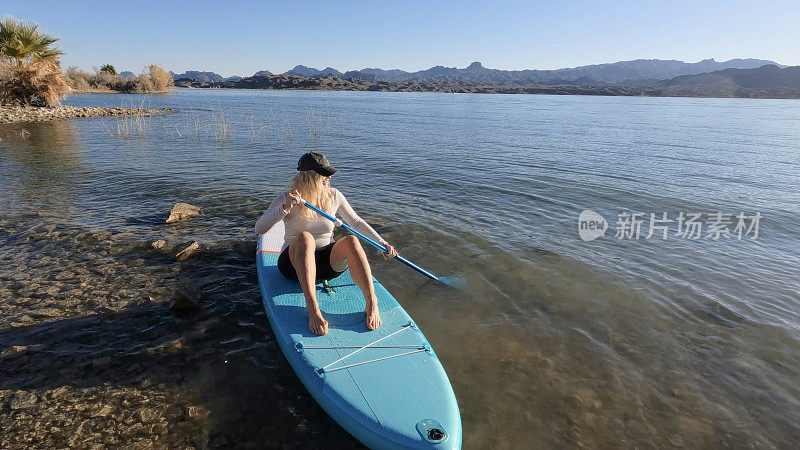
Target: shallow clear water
[559,342]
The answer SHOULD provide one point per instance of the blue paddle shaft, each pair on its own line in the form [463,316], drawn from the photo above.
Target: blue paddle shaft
[370,241]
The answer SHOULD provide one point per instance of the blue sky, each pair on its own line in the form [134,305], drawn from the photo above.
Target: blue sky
[241,37]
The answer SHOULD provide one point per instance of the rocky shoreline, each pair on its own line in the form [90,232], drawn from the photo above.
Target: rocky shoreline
[17,114]
[110,341]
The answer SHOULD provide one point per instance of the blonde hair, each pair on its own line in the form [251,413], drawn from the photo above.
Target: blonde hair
[309,184]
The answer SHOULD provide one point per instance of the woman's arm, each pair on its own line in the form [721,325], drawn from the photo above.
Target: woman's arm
[274,214]
[351,218]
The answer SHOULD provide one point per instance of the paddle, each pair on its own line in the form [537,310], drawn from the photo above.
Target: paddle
[456,282]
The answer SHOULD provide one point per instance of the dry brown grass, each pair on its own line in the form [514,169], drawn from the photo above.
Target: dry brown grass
[144,84]
[160,78]
[78,79]
[154,80]
[40,81]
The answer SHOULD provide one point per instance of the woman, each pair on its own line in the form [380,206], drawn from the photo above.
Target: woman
[309,252]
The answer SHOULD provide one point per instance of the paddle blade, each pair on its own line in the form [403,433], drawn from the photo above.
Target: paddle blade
[456,282]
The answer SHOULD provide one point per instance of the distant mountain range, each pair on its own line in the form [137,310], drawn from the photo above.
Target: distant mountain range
[640,72]
[624,73]
[766,77]
[310,72]
[207,77]
[768,81]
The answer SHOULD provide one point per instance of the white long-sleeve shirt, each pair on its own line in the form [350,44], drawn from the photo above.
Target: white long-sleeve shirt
[320,227]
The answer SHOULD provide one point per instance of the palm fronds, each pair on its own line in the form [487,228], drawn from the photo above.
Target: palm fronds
[30,71]
[22,42]
[109,69]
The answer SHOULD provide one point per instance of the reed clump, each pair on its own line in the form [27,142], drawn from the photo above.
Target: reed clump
[224,128]
[135,122]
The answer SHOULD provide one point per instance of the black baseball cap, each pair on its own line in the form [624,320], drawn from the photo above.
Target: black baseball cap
[317,162]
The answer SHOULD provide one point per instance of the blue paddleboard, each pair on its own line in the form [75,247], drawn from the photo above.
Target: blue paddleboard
[386,387]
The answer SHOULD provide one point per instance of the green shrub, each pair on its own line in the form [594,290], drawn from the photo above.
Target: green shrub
[108,68]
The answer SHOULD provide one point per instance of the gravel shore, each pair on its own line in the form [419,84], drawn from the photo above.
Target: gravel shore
[95,353]
[14,114]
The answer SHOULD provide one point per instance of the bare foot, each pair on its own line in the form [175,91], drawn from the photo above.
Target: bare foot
[373,317]
[317,324]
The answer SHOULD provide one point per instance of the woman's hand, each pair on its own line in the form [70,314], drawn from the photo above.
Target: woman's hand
[290,199]
[391,253]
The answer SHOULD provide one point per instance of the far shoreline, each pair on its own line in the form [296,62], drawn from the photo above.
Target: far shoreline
[10,114]
[539,90]
[333,83]
[189,88]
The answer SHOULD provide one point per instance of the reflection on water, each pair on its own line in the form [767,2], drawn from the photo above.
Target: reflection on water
[558,343]
[44,165]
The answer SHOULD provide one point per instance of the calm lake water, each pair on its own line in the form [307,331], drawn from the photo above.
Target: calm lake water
[559,342]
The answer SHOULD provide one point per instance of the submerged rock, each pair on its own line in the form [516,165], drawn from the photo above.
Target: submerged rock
[23,400]
[197,412]
[59,393]
[182,211]
[159,244]
[187,296]
[184,254]
[105,411]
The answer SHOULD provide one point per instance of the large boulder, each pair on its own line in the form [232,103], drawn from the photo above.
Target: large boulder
[182,211]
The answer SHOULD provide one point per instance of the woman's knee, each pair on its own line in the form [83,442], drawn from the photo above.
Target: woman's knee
[304,242]
[305,239]
[352,242]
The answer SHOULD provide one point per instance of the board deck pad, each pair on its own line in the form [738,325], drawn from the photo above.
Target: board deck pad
[386,386]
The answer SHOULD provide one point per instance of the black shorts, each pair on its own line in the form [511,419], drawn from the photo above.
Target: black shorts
[322,257]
